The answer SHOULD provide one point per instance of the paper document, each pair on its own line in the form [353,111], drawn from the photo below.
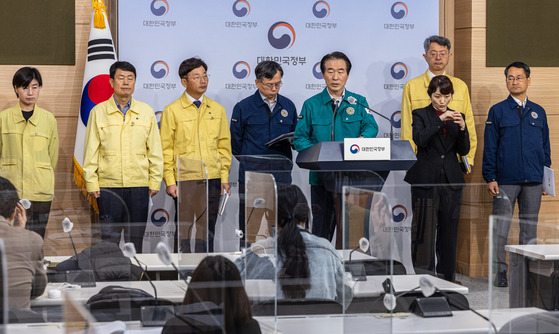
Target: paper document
[223,203]
[279,139]
[548,183]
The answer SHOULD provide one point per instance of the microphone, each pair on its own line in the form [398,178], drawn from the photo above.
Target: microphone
[256,204]
[358,270]
[363,245]
[390,296]
[336,107]
[67,227]
[353,100]
[428,289]
[129,251]
[164,255]
[25,203]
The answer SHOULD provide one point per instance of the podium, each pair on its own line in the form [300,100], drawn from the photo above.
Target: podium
[329,156]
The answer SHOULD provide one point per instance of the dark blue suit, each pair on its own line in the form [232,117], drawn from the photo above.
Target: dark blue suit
[253,125]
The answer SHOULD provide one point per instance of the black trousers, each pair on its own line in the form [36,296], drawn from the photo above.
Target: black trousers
[192,209]
[436,212]
[323,211]
[124,208]
[38,217]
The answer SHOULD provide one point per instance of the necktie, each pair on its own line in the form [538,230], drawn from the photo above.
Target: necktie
[197,103]
[519,109]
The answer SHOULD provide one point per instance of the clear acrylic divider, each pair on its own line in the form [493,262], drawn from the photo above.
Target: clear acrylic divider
[251,210]
[194,238]
[525,253]
[257,264]
[369,253]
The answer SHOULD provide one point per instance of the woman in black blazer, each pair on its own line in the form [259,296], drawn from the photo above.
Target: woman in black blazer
[437,180]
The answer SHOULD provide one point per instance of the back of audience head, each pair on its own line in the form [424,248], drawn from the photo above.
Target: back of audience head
[294,276]
[217,280]
[8,198]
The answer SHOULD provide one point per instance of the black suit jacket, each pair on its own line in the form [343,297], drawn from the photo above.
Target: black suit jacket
[436,151]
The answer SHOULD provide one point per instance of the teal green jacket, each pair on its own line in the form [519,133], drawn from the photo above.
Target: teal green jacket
[315,123]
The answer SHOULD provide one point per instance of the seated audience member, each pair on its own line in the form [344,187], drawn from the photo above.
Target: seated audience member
[105,260]
[307,266]
[24,250]
[215,302]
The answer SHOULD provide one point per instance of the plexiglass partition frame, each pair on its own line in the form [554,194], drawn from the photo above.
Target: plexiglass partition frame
[369,252]
[258,262]
[86,234]
[530,301]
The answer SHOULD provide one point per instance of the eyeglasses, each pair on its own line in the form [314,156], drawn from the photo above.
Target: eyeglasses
[200,78]
[271,85]
[513,79]
[434,54]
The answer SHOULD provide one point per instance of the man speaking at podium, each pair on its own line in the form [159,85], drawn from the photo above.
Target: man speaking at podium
[328,116]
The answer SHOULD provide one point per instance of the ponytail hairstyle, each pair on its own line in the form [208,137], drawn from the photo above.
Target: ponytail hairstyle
[294,276]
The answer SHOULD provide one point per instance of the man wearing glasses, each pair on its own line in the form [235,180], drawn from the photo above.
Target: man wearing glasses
[195,134]
[255,121]
[437,55]
[516,149]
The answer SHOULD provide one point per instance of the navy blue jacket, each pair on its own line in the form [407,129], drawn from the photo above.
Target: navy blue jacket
[516,149]
[252,127]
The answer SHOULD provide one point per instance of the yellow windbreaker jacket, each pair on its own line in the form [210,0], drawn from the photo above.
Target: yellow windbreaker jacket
[122,151]
[195,135]
[29,152]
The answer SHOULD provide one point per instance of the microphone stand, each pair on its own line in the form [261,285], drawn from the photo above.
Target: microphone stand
[149,279]
[354,101]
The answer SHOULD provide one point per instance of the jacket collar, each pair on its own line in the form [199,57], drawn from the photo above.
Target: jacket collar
[185,101]
[260,102]
[114,108]
[18,116]
[326,98]
[512,103]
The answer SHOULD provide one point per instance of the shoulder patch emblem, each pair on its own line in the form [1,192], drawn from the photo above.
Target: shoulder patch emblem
[488,122]
[534,114]
[370,112]
[350,111]
[284,113]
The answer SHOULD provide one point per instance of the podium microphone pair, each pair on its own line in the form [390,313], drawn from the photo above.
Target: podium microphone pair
[352,100]
[427,289]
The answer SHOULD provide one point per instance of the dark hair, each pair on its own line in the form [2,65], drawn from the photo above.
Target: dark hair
[518,64]
[267,69]
[335,55]
[8,198]
[190,64]
[443,83]
[24,76]
[442,41]
[217,280]
[294,276]
[123,65]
